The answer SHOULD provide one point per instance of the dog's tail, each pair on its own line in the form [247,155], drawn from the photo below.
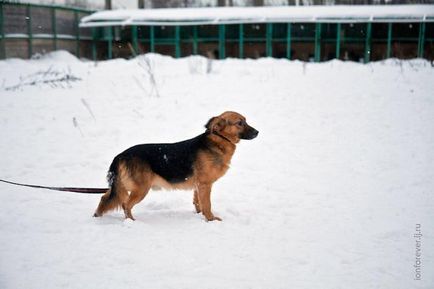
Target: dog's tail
[110,200]
[112,175]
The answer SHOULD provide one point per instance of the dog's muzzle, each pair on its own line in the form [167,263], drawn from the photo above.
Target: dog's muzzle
[249,133]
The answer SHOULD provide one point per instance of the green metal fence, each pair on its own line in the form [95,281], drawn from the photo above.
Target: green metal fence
[361,42]
[27,29]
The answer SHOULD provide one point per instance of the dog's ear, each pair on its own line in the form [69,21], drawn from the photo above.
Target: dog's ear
[208,124]
[215,124]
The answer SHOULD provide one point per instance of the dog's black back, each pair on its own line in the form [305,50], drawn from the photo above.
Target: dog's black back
[171,161]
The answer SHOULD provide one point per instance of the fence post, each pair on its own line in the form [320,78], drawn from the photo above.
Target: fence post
[318,42]
[134,40]
[94,43]
[338,40]
[241,41]
[109,35]
[222,32]
[368,42]
[389,39]
[2,35]
[29,29]
[268,41]
[177,41]
[54,27]
[195,40]
[152,38]
[421,42]
[288,41]
[77,35]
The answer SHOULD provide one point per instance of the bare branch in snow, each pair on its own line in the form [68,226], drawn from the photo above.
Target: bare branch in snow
[139,84]
[139,113]
[148,66]
[48,77]
[84,102]
[74,121]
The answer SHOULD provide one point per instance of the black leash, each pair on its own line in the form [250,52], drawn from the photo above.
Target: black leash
[63,189]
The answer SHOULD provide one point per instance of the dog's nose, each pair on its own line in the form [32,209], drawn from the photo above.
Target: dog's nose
[249,133]
[252,133]
[255,133]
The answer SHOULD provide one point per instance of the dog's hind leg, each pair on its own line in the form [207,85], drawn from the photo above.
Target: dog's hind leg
[116,195]
[135,197]
[138,186]
[106,203]
[111,200]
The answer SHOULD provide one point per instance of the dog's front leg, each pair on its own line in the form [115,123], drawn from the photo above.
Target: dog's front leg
[196,202]
[204,194]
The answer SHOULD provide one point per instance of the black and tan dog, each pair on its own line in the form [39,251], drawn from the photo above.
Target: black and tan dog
[192,164]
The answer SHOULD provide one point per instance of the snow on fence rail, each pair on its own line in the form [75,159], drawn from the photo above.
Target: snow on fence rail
[243,15]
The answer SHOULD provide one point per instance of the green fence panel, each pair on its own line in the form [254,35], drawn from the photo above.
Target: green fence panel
[177,42]
[77,35]
[338,40]
[389,40]
[62,31]
[32,30]
[53,25]
[368,42]
[109,37]
[94,52]
[222,36]
[268,40]
[152,38]
[195,50]
[135,40]
[241,41]
[29,29]
[421,42]
[2,35]
[288,41]
[318,42]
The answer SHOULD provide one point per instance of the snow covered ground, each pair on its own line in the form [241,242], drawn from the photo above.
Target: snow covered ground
[328,196]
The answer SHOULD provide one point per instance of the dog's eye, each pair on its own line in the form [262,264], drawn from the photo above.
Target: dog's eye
[240,123]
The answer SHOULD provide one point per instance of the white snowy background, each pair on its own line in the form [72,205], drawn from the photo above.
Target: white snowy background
[327,196]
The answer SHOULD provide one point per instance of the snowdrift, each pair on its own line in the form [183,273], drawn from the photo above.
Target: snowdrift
[329,195]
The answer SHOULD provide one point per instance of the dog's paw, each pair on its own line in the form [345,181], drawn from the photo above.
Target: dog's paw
[213,218]
[198,210]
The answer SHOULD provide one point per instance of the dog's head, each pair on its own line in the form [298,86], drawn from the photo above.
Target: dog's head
[231,126]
